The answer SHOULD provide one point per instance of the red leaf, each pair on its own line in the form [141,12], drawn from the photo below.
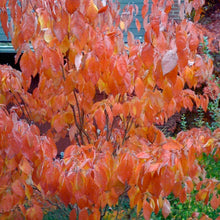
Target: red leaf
[4,21]
[147,210]
[138,24]
[103,9]
[166,208]
[169,61]
[139,87]
[72,5]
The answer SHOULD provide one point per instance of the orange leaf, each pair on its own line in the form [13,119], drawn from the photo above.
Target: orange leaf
[4,21]
[58,123]
[143,155]
[83,215]
[101,177]
[72,5]
[190,185]
[117,109]
[73,215]
[139,87]
[89,91]
[147,55]
[92,11]
[28,26]
[68,117]
[28,64]
[18,189]
[35,212]
[181,40]
[25,166]
[60,28]
[3,3]
[166,208]
[215,201]
[147,210]
[172,145]
[6,203]
[138,24]
[100,119]
[144,10]
[204,101]
[201,195]
[125,168]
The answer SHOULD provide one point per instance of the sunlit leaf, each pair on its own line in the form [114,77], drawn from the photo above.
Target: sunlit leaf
[166,208]
[169,61]
[92,11]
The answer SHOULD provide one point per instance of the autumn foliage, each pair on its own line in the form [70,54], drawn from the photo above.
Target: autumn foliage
[78,50]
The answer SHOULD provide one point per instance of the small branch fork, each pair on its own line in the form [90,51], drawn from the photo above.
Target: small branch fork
[79,123]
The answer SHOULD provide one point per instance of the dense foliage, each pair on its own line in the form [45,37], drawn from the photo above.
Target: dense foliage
[106,96]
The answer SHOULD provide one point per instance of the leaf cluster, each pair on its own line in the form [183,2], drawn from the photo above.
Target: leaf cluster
[116,152]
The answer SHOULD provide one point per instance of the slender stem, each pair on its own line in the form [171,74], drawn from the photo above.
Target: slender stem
[77,124]
[77,104]
[127,129]
[107,124]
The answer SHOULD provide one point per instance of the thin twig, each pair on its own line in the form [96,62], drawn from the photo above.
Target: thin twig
[107,124]
[77,104]
[127,129]
[77,124]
